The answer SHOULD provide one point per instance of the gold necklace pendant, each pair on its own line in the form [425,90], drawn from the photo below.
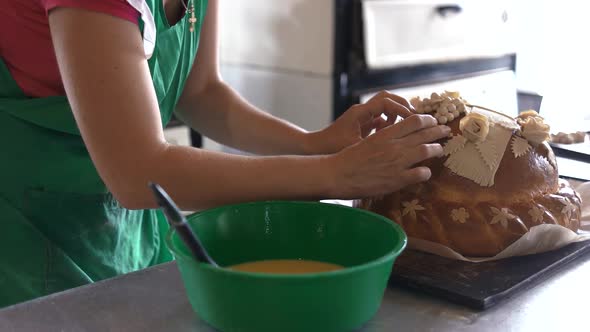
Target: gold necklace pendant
[192,20]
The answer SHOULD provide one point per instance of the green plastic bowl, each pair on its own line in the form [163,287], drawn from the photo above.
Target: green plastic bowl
[365,243]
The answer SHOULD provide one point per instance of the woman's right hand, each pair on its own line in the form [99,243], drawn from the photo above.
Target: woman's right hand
[385,161]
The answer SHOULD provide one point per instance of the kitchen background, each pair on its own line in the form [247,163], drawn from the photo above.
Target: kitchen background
[308,60]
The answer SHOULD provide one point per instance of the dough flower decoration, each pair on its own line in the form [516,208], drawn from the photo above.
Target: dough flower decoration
[410,208]
[534,129]
[537,214]
[475,127]
[501,216]
[461,215]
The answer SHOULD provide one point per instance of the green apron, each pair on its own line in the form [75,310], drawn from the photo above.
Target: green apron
[59,226]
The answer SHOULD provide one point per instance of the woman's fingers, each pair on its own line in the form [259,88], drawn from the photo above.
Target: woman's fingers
[384,94]
[426,135]
[385,162]
[392,108]
[419,153]
[376,107]
[380,123]
[376,124]
[406,178]
[414,175]
[383,103]
[408,126]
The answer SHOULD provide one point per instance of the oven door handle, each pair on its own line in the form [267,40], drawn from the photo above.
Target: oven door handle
[445,10]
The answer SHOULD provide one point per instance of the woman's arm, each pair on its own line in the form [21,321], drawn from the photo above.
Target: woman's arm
[109,87]
[215,110]
[108,84]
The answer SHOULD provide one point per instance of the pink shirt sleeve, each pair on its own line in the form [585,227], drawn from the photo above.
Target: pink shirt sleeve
[117,8]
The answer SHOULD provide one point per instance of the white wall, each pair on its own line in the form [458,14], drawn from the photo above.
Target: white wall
[528,20]
[553,58]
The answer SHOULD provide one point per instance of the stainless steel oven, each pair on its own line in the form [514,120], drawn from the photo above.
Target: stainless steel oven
[417,47]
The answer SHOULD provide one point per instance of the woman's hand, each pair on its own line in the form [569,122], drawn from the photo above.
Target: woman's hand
[358,122]
[384,162]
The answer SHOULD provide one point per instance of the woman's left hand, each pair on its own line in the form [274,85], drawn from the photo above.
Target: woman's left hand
[358,122]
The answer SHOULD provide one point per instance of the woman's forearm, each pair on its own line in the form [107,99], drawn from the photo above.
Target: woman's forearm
[221,114]
[198,179]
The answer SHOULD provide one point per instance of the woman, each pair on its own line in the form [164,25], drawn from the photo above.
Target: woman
[85,89]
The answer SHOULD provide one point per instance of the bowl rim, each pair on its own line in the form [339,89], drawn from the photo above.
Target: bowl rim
[394,252]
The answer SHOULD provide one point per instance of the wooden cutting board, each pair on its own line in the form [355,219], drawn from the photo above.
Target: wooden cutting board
[480,285]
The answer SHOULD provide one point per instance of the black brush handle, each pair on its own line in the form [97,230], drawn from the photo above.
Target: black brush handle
[179,223]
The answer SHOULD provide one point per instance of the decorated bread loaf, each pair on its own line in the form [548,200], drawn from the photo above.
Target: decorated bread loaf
[497,179]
